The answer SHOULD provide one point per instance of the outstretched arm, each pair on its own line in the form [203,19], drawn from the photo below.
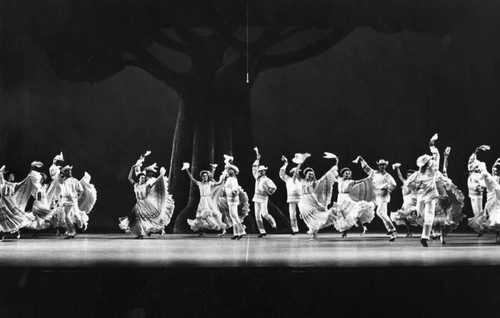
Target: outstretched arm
[400,175]
[130,174]
[361,180]
[191,176]
[364,165]
[255,166]
[283,174]
[445,161]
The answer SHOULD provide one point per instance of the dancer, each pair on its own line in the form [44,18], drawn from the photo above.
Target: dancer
[150,171]
[407,215]
[449,205]
[383,184]
[208,216]
[424,182]
[54,190]
[77,198]
[488,220]
[264,187]
[148,214]
[12,218]
[475,183]
[232,190]
[316,195]
[293,190]
[41,210]
[353,210]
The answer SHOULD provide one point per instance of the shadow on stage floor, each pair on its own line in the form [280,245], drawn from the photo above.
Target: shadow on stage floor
[279,276]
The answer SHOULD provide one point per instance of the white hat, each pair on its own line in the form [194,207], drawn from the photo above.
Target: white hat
[423,159]
[308,169]
[300,157]
[233,167]
[329,155]
[140,172]
[2,170]
[37,164]
[228,159]
[382,162]
[262,168]
[152,168]
[185,166]
[59,157]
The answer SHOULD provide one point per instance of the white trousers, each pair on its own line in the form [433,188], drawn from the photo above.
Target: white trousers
[238,228]
[476,202]
[427,209]
[382,213]
[292,210]
[260,212]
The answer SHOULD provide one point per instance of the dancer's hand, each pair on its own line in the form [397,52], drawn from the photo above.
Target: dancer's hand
[284,159]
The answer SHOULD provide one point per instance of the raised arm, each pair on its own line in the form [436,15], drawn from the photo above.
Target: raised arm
[400,175]
[191,177]
[282,173]
[130,175]
[365,166]
[255,167]
[472,158]
[445,161]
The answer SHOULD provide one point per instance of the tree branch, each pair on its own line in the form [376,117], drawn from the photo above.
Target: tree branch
[302,54]
[223,30]
[149,63]
[170,43]
[266,39]
[285,35]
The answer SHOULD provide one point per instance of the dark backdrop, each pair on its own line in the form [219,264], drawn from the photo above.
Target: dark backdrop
[374,94]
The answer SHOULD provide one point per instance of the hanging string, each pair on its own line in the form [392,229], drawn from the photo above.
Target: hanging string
[248,76]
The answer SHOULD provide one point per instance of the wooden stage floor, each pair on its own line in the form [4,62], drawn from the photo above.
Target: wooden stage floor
[179,251]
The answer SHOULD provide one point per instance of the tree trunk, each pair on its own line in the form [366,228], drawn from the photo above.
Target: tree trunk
[181,152]
[202,154]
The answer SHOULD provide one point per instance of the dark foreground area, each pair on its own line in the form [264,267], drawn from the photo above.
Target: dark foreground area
[250,292]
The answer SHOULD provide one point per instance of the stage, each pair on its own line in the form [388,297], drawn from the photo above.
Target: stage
[114,275]
[180,251]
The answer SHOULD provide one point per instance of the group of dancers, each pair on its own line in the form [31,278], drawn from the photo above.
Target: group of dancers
[36,203]
[430,199]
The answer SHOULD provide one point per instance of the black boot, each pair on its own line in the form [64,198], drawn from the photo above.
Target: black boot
[423,242]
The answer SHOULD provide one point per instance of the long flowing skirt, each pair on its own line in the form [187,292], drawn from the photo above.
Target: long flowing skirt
[352,213]
[448,213]
[314,214]
[12,218]
[145,218]
[208,216]
[243,209]
[42,216]
[408,214]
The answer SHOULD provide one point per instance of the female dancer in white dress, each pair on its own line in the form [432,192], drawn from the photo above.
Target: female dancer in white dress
[354,212]
[12,218]
[488,220]
[407,215]
[152,207]
[41,210]
[450,203]
[316,195]
[208,216]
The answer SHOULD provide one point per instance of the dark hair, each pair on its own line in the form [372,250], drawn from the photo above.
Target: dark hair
[410,171]
[344,170]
